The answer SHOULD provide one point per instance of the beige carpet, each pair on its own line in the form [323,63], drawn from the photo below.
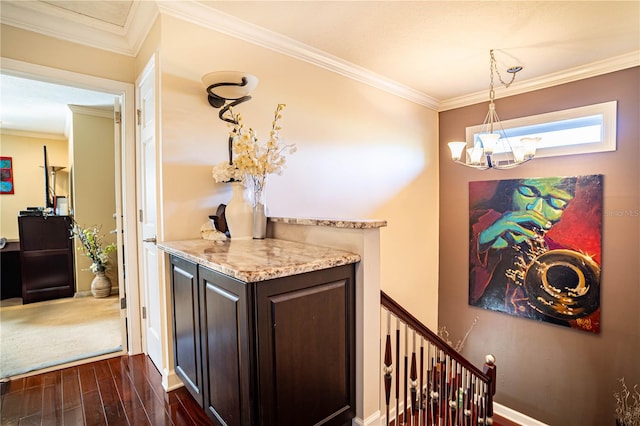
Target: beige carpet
[43,334]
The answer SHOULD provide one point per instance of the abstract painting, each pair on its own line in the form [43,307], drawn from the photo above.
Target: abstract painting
[535,248]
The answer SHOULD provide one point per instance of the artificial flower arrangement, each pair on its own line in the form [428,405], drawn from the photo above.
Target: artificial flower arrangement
[93,247]
[627,410]
[252,160]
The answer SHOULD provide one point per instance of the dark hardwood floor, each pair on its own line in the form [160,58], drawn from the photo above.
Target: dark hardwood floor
[125,390]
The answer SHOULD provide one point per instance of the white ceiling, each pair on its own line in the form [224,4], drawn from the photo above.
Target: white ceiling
[33,106]
[435,53]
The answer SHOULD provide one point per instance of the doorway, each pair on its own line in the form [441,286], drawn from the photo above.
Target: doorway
[125,217]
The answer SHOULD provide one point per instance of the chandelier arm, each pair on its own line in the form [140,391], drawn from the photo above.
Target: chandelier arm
[510,165]
[472,166]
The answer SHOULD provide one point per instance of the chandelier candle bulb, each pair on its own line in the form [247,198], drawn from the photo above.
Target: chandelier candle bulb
[475,155]
[518,152]
[529,145]
[489,142]
[456,149]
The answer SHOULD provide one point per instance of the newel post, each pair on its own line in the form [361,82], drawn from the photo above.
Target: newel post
[489,368]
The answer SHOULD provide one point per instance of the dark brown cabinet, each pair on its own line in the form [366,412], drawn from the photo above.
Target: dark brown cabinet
[186,325]
[46,258]
[273,352]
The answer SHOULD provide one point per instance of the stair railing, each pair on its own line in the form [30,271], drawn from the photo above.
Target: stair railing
[446,389]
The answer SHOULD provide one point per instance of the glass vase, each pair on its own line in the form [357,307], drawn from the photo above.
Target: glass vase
[259,209]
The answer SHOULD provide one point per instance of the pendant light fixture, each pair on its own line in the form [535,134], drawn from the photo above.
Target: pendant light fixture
[491,148]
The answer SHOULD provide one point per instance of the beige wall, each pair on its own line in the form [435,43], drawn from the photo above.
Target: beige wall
[28,175]
[38,49]
[93,198]
[362,153]
[555,374]
[30,47]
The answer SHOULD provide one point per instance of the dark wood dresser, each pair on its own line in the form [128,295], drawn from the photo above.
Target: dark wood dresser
[46,258]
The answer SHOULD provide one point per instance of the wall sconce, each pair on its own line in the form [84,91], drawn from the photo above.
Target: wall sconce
[483,154]
[226,89]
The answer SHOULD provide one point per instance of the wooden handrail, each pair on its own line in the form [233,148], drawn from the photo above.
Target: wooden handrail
[447,389]
[413,322]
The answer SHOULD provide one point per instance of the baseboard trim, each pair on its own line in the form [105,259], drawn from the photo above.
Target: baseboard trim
[515,416]
[505,412]
[373,419]
[170,380]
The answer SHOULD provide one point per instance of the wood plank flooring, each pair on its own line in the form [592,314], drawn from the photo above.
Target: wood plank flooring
[125,390]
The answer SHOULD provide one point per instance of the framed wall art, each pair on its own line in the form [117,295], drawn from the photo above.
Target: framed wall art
[6,175]
[535,248]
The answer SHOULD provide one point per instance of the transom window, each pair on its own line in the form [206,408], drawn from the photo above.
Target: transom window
[572,131]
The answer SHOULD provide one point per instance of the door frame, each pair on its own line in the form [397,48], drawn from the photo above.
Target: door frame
[127,283]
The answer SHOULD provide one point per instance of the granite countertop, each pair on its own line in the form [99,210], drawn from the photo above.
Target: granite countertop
[258,260]
[335,223]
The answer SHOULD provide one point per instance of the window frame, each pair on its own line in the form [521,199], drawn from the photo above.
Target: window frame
[608,111]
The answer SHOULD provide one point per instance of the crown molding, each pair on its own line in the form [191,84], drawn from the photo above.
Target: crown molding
[33,135]
[216,20]
[140,21]
[104,112]
[43,18]
[594,69]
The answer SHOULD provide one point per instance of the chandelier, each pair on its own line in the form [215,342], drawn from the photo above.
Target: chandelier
[491,148]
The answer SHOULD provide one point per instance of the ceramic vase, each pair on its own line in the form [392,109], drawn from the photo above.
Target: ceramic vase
[101,285]
[239,213]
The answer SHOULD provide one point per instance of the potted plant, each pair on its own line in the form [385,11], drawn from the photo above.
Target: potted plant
[93,246]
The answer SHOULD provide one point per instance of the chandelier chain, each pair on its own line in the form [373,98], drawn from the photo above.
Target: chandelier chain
[493,67]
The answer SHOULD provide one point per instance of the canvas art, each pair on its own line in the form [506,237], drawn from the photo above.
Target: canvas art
[6,175]
[535,248]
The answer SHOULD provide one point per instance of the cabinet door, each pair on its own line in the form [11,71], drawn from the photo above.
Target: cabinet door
[226,348]
[186,326]
[306,348]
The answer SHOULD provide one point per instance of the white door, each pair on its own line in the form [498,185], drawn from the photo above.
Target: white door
[147,209]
